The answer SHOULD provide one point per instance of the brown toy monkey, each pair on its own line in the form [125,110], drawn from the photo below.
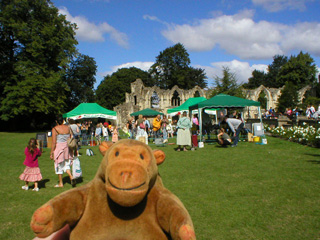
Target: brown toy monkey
[125,200]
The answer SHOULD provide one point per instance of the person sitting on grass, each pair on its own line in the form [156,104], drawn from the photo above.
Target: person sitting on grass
[223,138]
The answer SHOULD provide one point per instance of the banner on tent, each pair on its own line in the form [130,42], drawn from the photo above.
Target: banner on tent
[93,116]
[208,111]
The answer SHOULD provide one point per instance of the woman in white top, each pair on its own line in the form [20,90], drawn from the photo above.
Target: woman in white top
[60,152]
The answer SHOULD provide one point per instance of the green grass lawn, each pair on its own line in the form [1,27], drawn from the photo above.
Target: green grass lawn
[249,192]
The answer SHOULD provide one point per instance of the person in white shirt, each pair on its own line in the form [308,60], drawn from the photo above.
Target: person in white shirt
[236,126]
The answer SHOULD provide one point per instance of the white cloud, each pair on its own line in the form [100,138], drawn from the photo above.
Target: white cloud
[278,5]
[141,65]
[242,70]
[240,35]
[155,19]
[304,36]
[90,32]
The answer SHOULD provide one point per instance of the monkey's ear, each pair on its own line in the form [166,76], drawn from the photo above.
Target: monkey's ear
[104,146]
[159,155]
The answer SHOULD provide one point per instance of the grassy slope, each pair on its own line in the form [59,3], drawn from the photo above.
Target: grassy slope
[248,192]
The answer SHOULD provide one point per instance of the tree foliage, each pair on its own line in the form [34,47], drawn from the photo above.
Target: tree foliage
[257,79]
[227,84]
[299,70]
[36,45]
[288,98]
[111,91]
[172,68]
[263,100]
[80,78]
[274,70]
[312,97]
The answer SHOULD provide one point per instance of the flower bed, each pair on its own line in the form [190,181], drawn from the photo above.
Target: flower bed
[307,135]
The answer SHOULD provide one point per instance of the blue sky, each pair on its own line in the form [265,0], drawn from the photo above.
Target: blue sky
[240,34]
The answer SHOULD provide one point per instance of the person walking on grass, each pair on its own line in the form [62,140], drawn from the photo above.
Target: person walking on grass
[60,152]
[32,171]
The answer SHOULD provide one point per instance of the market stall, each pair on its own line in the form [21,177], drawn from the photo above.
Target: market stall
[185,106]
[90,110]
[223,101]
[148,112]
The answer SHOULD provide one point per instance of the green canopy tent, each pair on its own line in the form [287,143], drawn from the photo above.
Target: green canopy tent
[90,110]
[185,106]
[148,112]
[223,101]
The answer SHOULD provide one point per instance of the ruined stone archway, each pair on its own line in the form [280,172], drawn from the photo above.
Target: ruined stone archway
[263,89]
[175,100]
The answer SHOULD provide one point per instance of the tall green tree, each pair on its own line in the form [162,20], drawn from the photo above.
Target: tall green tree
[299,70]
[80,78]
[172,68]
[227,84]
[37,43]
[111,91]
[273,71]
[256,80]
[288,98]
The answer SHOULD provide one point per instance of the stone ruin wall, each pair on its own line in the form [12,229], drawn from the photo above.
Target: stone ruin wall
[140,98]
[272,95]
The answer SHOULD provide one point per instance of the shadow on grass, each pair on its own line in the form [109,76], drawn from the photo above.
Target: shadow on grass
[223,146]
[42,183]
[313,155]
[66,179]
[314,161]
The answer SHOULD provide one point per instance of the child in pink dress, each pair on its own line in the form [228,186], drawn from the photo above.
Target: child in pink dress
[115,134]
[32,171]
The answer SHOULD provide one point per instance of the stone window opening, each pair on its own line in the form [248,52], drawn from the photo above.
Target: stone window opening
[196,94]
[263,99]
[155,100]
[175,100]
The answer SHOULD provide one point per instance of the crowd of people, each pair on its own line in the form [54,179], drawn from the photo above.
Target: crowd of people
[229,128]
[310,112]
[142,129]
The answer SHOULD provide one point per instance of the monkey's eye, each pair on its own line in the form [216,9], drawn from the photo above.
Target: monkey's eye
[141,156]
[116,154]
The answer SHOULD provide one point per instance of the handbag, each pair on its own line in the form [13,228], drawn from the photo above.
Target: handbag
[142,139]
[72,142]
[142,126]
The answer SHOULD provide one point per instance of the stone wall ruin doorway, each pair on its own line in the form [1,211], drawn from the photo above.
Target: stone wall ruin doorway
[175,100]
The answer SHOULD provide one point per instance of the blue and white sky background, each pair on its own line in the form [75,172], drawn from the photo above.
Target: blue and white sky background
[240,34]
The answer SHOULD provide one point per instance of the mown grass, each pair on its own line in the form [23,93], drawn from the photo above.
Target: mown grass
[248,192]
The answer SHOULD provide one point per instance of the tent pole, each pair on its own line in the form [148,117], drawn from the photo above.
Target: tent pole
[260,116]
[200,122]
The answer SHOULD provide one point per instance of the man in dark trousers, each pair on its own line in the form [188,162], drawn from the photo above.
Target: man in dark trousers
[236,126]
